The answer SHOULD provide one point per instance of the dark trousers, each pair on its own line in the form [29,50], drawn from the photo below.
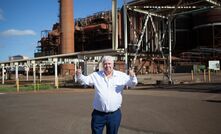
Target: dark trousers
[110,120]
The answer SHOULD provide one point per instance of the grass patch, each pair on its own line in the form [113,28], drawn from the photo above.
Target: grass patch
[7,88]
[13,88]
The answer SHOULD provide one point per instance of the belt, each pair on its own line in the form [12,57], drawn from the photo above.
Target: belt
[106,112]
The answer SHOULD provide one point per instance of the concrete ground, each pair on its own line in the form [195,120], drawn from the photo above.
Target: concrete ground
[178,109]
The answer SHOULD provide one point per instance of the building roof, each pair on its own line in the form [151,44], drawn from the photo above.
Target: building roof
[165,8]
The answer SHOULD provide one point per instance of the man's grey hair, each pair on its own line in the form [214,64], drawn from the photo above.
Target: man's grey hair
[107,58]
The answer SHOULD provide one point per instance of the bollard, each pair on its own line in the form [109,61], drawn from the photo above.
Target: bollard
[204,75]
[209,77]
[17,84]
[56,82]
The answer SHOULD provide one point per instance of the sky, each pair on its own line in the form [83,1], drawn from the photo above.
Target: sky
[21,22]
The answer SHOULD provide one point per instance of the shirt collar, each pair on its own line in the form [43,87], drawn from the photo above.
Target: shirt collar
[114,73]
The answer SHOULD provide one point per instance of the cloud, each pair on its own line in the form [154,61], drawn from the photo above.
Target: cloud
[14,32]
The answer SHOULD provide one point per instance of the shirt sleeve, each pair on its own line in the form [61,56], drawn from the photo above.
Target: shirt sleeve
[85,80]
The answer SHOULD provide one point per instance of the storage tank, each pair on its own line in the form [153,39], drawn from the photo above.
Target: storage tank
[183,35]
[207,27]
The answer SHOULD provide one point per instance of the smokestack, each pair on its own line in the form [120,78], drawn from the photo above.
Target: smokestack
[67,33]
[67,26]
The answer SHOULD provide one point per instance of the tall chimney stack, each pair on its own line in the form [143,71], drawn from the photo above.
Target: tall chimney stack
[67,26]
[67,33]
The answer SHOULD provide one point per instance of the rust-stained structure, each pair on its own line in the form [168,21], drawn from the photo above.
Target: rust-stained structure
[49,42]
[67,26]
[67,33]
[95,32]
[154,28]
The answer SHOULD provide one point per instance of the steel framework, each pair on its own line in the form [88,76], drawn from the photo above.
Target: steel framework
[164,12]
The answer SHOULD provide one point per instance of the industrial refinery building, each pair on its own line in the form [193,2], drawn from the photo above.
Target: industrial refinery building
[194,31]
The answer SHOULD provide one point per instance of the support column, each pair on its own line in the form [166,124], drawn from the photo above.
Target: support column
[114,25]
[213,40]
[147,48]
[16,76]
[3,74]
[16,71]
[40,73]
[125,37]
[6,73]
[34,72]
[56,72]
[170,50]
[27,72]
[75,69]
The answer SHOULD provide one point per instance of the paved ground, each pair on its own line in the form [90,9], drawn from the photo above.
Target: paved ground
[183,109]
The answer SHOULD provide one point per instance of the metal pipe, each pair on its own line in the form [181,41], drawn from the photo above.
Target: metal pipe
[170,50]
[114,25]
[74,55]
[207,25]
[146,40]
[125,37]
[149,13]
[213,34]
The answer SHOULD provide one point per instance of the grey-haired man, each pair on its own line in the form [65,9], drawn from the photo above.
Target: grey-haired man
[108,85]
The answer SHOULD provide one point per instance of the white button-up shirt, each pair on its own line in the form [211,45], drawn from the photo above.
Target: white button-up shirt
[108,91]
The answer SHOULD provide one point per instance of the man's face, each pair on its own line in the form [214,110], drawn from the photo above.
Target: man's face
[108,66]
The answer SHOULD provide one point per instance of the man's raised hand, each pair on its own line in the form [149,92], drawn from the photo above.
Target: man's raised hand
[78,71]
[131,72]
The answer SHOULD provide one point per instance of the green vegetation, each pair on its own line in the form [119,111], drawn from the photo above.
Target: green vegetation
[13,88]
